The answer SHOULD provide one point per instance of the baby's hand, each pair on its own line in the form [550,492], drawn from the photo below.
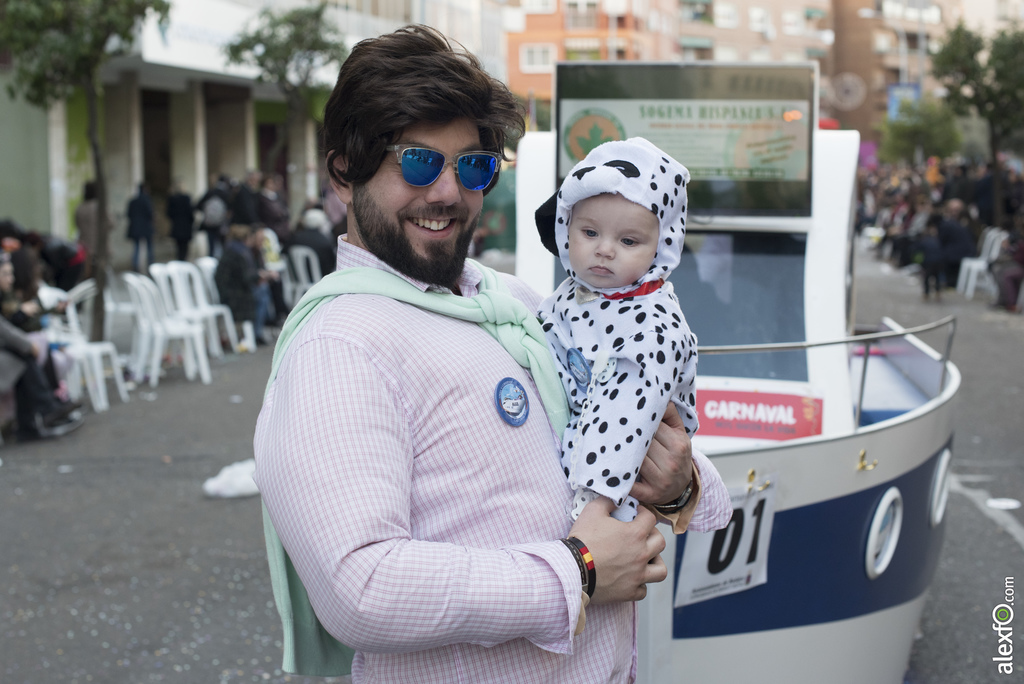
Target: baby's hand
[668,467]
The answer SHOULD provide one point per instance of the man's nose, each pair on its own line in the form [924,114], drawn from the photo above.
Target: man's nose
[446,188]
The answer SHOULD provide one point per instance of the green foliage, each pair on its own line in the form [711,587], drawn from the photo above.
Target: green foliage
[984,76]
[926,124]
[289,48]
[59,45]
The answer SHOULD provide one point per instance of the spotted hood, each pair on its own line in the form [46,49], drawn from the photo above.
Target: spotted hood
[641,173]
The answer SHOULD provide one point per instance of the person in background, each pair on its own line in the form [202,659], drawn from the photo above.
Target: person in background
[928,252]
[241,282]
[39,411]
[20,304]
[957,241]
[245,209]
[215,207]
[140,226]
[1008,270]
[310,233]
[88,224]
[182,217]
[272,208]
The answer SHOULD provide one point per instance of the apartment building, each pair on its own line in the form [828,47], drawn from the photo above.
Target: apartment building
[882,54]
[663,30]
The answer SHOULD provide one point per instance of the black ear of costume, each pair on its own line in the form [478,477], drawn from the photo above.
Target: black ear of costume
[545,218]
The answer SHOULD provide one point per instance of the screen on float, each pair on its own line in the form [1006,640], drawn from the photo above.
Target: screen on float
[743,130]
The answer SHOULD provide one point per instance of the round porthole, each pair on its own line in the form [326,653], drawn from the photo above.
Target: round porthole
[940,488]
[884,533]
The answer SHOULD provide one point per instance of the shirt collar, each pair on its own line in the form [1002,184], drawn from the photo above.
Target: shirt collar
[350,256]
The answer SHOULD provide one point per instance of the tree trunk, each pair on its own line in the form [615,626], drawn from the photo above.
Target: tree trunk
[99,259]
[995,140]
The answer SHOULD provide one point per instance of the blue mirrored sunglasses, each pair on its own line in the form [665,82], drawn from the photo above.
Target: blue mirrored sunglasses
[421,166]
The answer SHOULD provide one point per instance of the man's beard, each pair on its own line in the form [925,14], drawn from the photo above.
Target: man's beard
[384,238]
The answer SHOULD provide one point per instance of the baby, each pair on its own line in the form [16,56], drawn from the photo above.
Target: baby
[614,325]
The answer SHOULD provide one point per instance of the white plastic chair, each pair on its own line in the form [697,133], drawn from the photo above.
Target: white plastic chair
[208,267]
[89,356]
[974,271]
[279,266]
[157,329]
[306,266]
[967,264]
[193,305]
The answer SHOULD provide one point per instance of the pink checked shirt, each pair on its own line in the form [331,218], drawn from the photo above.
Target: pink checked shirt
[424,527]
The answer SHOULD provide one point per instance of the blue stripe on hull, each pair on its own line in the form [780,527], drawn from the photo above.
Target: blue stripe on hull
[816,565]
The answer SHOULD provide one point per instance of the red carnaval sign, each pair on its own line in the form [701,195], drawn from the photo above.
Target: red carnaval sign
[758,415]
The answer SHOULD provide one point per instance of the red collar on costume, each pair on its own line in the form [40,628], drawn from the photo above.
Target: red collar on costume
[645,288]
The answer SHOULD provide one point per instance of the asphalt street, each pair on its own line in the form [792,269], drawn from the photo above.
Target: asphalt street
[983,545]
[114,567]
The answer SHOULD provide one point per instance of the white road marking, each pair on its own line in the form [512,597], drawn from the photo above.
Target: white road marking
[1004,519]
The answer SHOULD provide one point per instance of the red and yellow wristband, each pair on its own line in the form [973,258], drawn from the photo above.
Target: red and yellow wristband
[585,561]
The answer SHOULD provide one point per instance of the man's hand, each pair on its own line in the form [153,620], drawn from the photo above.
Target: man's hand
[668,467]
[625,554]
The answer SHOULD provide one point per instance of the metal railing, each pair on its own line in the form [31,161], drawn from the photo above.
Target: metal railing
[866,340]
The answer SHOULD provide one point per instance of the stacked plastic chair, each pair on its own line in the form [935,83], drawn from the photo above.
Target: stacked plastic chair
[91,358]
[156,329]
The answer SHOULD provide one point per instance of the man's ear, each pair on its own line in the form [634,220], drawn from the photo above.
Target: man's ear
[342,188]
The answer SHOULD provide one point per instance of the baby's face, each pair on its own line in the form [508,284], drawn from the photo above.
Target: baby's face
[612,241]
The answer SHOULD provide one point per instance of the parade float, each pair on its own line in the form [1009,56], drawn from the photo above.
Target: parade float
[835,441]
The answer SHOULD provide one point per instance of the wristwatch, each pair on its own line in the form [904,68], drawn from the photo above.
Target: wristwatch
[678,504]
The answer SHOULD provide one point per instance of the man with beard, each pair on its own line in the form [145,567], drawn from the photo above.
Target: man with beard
[407,449]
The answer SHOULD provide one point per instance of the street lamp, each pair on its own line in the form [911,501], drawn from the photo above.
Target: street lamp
[868,13]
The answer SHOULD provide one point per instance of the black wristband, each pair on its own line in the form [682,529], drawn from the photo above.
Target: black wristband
[588,575]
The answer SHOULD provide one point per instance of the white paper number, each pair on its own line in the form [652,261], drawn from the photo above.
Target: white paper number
[735,558]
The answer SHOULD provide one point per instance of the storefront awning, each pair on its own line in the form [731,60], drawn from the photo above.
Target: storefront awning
[695,42]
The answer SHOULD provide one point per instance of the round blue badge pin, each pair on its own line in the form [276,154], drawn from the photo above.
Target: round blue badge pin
[579,368]
[511,401]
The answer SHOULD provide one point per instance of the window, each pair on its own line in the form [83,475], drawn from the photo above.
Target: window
[761,54]
[758,18]
[792,23]
[748,288]
[726,15]
[580,14]
[882,42]
[792,56]
[695,11]
[726,53]
[537,58]
[539,6]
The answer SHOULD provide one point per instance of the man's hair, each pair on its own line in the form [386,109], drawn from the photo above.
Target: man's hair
[401,79]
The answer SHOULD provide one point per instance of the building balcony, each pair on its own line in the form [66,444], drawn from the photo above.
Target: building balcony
[581,20]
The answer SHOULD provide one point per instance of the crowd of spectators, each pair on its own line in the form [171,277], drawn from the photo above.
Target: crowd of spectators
[246,225]
[34,398]
[933,216]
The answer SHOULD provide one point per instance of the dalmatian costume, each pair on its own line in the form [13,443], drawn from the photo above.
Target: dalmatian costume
[623,353]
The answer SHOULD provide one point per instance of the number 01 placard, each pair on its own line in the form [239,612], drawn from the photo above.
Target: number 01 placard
[735,558]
